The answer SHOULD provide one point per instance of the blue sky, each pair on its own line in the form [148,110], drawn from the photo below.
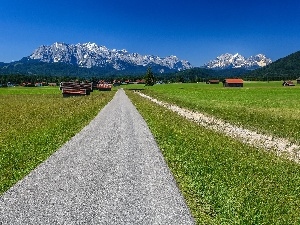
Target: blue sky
[197,31]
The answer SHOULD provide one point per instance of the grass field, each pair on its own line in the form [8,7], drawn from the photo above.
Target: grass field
[267,107]
[223,180]
[37,121]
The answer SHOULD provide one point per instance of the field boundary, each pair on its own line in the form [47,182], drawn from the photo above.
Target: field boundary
[281,146]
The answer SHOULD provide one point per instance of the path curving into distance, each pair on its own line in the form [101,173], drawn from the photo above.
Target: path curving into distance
[281,146]
[112,172]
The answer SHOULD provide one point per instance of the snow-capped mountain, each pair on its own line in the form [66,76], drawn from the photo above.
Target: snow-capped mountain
[228,61]
[90,54]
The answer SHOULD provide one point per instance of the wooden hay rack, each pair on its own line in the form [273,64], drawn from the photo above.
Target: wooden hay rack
[75,88]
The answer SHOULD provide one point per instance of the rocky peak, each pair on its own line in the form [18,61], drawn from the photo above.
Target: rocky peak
[227,61]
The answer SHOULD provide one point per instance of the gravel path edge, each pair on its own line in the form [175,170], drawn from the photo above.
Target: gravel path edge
[281,146]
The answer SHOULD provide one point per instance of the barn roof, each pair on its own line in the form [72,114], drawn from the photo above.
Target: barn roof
[234,81]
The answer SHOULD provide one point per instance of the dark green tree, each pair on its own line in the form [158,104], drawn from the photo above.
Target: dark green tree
[149,78]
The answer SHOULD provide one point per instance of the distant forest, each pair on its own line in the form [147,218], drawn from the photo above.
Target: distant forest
[82,74]
[287,68]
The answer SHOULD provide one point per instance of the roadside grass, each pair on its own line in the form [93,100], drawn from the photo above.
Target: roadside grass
[266,107]
[37,121]
[223,180]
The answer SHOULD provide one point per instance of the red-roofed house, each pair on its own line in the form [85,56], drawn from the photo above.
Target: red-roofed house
[233,83]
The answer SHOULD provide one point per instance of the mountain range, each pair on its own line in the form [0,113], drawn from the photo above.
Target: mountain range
[91,60]
[282,69]
[233,61]
[90,55]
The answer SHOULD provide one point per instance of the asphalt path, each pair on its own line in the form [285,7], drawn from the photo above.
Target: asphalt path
[112,172]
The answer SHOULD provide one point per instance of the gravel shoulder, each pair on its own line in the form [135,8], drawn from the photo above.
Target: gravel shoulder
[281,146]
[112,172]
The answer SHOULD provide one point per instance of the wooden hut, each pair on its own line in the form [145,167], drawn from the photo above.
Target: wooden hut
[288,83]
[75,88]
[213,82]
[233,83]
[298,80]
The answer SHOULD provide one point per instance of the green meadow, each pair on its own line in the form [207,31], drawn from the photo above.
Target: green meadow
[223,180]
[267,107]
[35,122]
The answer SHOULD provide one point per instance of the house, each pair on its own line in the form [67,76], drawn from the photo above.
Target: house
[288,83]
[233,83]
[298,80]
[142,81]
[38,84]
[116,83]
[9,84]
[129,82]
[104,86]
[213,82]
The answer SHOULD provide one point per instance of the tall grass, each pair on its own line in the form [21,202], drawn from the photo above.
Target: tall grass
[266,107]
[223,180]
[37,121]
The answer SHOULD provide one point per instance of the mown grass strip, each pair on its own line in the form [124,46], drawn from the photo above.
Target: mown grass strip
[34,125]
[223,180]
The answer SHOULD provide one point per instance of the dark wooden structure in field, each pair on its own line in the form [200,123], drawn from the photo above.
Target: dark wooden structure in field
[298,80]
[75,88]
[213,82]
[288,83]
[233,83]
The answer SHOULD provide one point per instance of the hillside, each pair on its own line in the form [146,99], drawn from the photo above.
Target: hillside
[31,67]
[35,67]
[286,68]
[203,74]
